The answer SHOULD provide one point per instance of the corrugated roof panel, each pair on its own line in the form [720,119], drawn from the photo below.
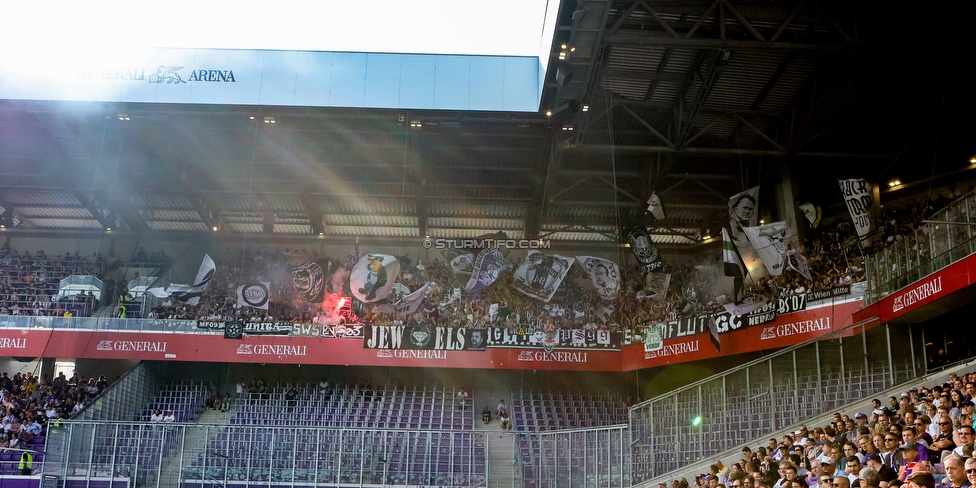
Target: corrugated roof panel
[292,229]
[665,92]
[627,88]
[167,201]
[372,231]
[436,232]
[252,228]
[744,79]
[449,223]
[351,205]
[370,220]
[496,210]
[178,226]
[680,61]
[634,57]
[55,212]
[579,236]
[65,223]
[789,83]
[172,215]
[22,197]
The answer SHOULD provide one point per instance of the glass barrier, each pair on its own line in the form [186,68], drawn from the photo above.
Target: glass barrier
[945,239]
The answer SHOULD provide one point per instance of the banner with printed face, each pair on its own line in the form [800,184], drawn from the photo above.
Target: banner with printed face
[603,273]
[309,280]
[541,274]
[372,278]
[644,250]
[743,211]
[770,241]
[254,295]
[859,200]
[461,262]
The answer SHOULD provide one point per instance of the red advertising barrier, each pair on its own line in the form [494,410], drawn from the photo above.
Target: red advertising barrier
[283,350]
[785,330]
[929,289]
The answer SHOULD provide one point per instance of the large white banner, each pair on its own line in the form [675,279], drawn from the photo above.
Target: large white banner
[254,294]
[604,275]
[770,241]
[541,274]
[372,278]
[857,196]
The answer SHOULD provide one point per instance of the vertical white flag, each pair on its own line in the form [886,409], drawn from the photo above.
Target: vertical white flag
[857,196]
[654,206]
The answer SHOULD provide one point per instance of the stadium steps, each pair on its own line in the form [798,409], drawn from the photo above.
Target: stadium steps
[501,465]
[195,441]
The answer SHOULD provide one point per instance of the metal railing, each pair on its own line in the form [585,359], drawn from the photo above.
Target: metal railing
[596,457]
[202,455]
[947,237]
[727,410]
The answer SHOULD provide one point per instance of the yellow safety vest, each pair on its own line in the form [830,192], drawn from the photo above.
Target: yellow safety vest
[26,461]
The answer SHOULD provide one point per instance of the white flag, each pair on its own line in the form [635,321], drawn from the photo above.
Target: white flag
[372,278]
[743,211]
[770,241]
[189,293]
[858,197]
[654,206]
[541,274]
[254,295]
[603,273]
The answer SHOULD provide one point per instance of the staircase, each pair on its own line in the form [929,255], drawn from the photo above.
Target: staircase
[501,460]
[194,442]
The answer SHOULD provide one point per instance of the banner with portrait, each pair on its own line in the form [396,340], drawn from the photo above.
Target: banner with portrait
[603,273]
[743,212]
[541,274]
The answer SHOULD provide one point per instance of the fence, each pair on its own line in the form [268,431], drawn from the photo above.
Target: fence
[726,410]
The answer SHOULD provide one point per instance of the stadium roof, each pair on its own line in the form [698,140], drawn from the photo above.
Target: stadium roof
[694,100]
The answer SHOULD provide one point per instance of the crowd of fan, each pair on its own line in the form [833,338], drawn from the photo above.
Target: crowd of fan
[831,253]
[895,222]
[29,283]
[28,403]
[923,437]
[695,288]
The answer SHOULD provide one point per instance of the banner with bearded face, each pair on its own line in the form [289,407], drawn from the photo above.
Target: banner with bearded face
[309,280]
